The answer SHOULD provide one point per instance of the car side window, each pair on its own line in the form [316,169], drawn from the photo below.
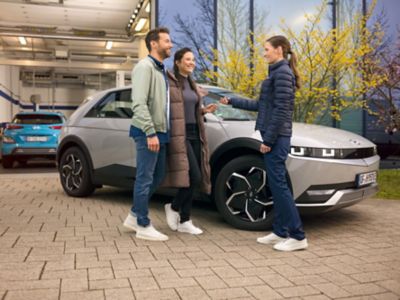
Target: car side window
[114,105]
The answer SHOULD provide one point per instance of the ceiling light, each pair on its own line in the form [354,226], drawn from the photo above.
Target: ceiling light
[133,16]
[148,7]
[136,11]
[109,45]
[140,24]
[130,21]
[22,40]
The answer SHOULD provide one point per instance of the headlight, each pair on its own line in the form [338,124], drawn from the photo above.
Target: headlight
[333,153]
[8,140]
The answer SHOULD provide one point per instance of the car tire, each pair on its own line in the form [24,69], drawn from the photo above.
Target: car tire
[7,162]
[75,173]
[242,195]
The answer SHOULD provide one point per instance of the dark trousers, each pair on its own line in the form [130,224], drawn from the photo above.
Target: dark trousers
[182,202]
[287,221]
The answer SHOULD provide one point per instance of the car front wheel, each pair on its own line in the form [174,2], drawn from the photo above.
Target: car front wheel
[75,173]
[242,194]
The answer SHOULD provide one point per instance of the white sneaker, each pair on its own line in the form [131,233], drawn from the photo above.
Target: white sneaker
[188,227]
[131,222]
[172,217]
[150,233]
[270,239]
[291,244]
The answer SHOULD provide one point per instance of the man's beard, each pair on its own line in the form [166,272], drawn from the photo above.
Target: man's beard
[165,53]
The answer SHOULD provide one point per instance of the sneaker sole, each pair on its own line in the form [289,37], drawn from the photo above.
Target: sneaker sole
[130,227]
[294,249]
[189,232]
[269,242]
[148,238]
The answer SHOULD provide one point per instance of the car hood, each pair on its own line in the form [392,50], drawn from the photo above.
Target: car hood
[304,135]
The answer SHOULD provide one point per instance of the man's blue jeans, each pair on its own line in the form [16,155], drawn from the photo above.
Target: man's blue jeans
[286,216]
[150,172]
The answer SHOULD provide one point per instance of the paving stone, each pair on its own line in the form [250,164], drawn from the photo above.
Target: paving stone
[119,294]
[189,293]
[57,247]
[89,295]
[210,282]
[298,291]
[169,294]
[40,294]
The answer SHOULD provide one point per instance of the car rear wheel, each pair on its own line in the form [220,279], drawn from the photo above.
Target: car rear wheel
[242,194]
[75,173]
[7,162]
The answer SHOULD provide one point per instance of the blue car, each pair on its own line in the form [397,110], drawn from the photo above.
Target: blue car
[30,135]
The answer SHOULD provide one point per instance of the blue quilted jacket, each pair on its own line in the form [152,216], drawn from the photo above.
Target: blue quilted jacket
[275,106]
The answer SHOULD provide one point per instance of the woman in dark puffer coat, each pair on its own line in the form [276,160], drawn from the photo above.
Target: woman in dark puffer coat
[274,121]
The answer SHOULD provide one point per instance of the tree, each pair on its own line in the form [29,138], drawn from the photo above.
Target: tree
[327,54]
[233,58]
[385,96]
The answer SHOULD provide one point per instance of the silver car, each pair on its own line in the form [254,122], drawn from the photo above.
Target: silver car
[327,168]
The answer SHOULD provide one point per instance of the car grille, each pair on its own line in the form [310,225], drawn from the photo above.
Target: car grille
[33,151]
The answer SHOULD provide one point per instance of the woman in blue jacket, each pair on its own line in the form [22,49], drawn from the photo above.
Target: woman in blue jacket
[274,121]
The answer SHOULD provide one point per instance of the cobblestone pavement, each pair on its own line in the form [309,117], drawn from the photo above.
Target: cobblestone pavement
[56,247]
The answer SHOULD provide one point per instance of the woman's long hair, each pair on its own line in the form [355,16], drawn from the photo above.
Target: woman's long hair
[280,40]
[177,58]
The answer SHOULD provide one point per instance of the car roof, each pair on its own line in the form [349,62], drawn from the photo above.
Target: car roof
[40,112]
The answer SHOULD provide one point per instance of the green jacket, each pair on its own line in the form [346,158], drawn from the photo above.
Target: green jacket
[149,97]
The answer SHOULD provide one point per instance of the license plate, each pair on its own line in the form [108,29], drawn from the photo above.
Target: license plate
[366,178]
[36,139]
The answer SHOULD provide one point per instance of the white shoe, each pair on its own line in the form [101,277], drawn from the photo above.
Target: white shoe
[150,233]
[172,217]
[188,227]
[131,222]
[291,244]
[270,239]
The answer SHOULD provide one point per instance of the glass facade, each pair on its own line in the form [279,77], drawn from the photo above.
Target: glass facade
[193,24]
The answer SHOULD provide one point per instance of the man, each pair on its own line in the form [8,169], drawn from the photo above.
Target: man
[150,130]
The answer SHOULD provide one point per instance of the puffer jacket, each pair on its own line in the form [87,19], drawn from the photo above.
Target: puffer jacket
[275,105]
[177,162]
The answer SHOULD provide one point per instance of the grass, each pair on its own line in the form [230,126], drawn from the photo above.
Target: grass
[389,184]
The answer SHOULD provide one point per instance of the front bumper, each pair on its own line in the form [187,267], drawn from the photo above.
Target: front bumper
[340,199]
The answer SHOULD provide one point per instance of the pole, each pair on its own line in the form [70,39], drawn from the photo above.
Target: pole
[215,29]
[334,79]
[364,24]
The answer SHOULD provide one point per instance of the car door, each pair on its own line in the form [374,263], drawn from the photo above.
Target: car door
[107,138]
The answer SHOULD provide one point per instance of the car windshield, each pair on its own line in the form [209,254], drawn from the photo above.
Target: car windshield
[37,119]
[227,112]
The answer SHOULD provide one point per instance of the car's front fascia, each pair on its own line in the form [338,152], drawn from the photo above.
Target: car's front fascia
[323,165]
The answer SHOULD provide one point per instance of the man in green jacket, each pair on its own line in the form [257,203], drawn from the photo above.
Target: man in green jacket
[150,130]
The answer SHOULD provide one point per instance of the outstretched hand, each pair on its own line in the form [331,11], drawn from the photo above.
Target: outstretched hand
[210,108]
[224,100]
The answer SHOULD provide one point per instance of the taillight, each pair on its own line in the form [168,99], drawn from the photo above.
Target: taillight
[13,126]
[57,127]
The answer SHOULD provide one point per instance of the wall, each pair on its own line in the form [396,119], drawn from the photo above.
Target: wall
[15,97]
[65,99]
[9,91]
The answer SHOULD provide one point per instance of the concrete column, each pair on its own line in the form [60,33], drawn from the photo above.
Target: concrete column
[9,91]
[120,78]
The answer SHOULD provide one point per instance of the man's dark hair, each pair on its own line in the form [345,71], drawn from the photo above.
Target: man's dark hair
[154,35]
